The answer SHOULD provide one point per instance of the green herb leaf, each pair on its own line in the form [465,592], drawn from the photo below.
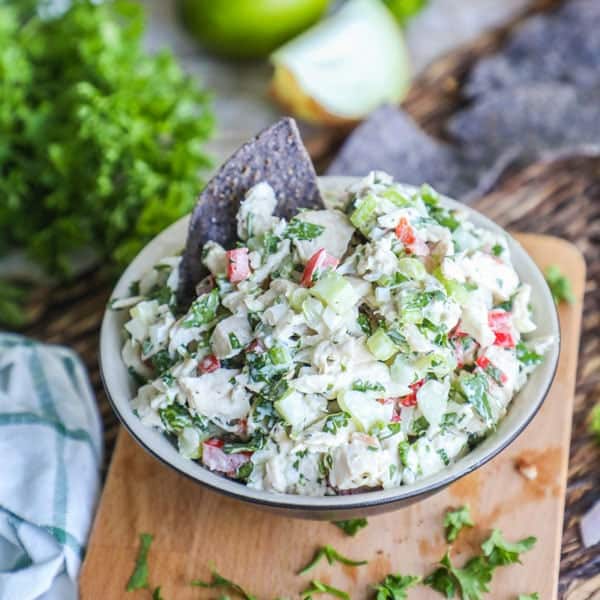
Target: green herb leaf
[473,387]
[455,520]
[203,310]
[526,355]
[471,580]
[560,286]
[594,426]
[102,142]
[318,587]
[351,526]
[332,555]
[176,417]
[298,229]
[362,385]
[139,577]
[12,299]
[336,421]
[218,581]
[156,594]
[394,587]
[500,552]
[534,596]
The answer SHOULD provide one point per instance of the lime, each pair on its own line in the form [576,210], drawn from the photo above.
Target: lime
[248,28]
[341,69]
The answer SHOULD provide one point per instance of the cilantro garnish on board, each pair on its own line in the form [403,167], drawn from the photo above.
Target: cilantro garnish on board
[351,526]
[332,556]
[139,577]
[395,587]
[455,520]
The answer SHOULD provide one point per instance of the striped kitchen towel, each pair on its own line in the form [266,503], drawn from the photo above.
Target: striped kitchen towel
[50,457]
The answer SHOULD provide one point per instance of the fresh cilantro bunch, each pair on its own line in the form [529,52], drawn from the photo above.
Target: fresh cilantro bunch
[101,144]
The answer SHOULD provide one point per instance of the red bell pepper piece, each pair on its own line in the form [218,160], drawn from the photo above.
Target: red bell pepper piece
[500,324]
[209,364]
[238,267]
[319,261]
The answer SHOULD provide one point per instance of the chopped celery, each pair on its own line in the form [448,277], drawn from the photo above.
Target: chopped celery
[336,291]
[397,198]
[403,372]
[412,268]
[294,409]
[363,216]
[297,297]
[381,346]
[364,409]
[279,355]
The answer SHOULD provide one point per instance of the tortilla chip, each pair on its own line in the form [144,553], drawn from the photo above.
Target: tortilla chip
[391,141]
[277,156]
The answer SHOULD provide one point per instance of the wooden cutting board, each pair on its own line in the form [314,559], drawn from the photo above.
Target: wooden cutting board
[194,527]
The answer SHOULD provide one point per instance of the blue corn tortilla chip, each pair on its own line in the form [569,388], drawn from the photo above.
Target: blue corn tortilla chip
[276,155]
[389,140]
[563,46]
[528,121]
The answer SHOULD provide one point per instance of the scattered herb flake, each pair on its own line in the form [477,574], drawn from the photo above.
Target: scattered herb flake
[559,284]
[534,596]
[455,520]
[332,556]
[471,580]
[499,552]
[139,577]
[394,587]
[351,526]
[318,587]
[594,426]
[298,229]
[218,581]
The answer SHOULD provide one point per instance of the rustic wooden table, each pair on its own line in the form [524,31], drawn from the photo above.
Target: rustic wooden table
[560,197]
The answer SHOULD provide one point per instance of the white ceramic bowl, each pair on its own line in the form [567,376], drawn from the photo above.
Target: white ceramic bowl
[121,389]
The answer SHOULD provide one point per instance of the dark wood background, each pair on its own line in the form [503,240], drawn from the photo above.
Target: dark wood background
[559,197]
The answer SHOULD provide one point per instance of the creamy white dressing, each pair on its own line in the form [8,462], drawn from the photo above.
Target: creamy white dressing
[360,348]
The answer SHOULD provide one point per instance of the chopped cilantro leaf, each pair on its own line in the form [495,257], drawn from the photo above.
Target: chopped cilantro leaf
[298,229]
[471,580]
[177,417]
[218,581]
[203,309]
[473,387]
[594,426]
[161,361]
[394,587]
[156,594]
[444,456]
[270,243]
[334,422]
[455,520]
[534,596]
[497,249]
[364,324]
[332,555]
[362,385]
[500,552]
[559,284]
[526,355]
[318,587]
[139,577]
[351,526]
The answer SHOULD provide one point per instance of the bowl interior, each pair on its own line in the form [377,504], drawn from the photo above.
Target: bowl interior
[120,387]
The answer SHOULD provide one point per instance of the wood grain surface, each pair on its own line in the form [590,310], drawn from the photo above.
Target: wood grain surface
[194,527]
